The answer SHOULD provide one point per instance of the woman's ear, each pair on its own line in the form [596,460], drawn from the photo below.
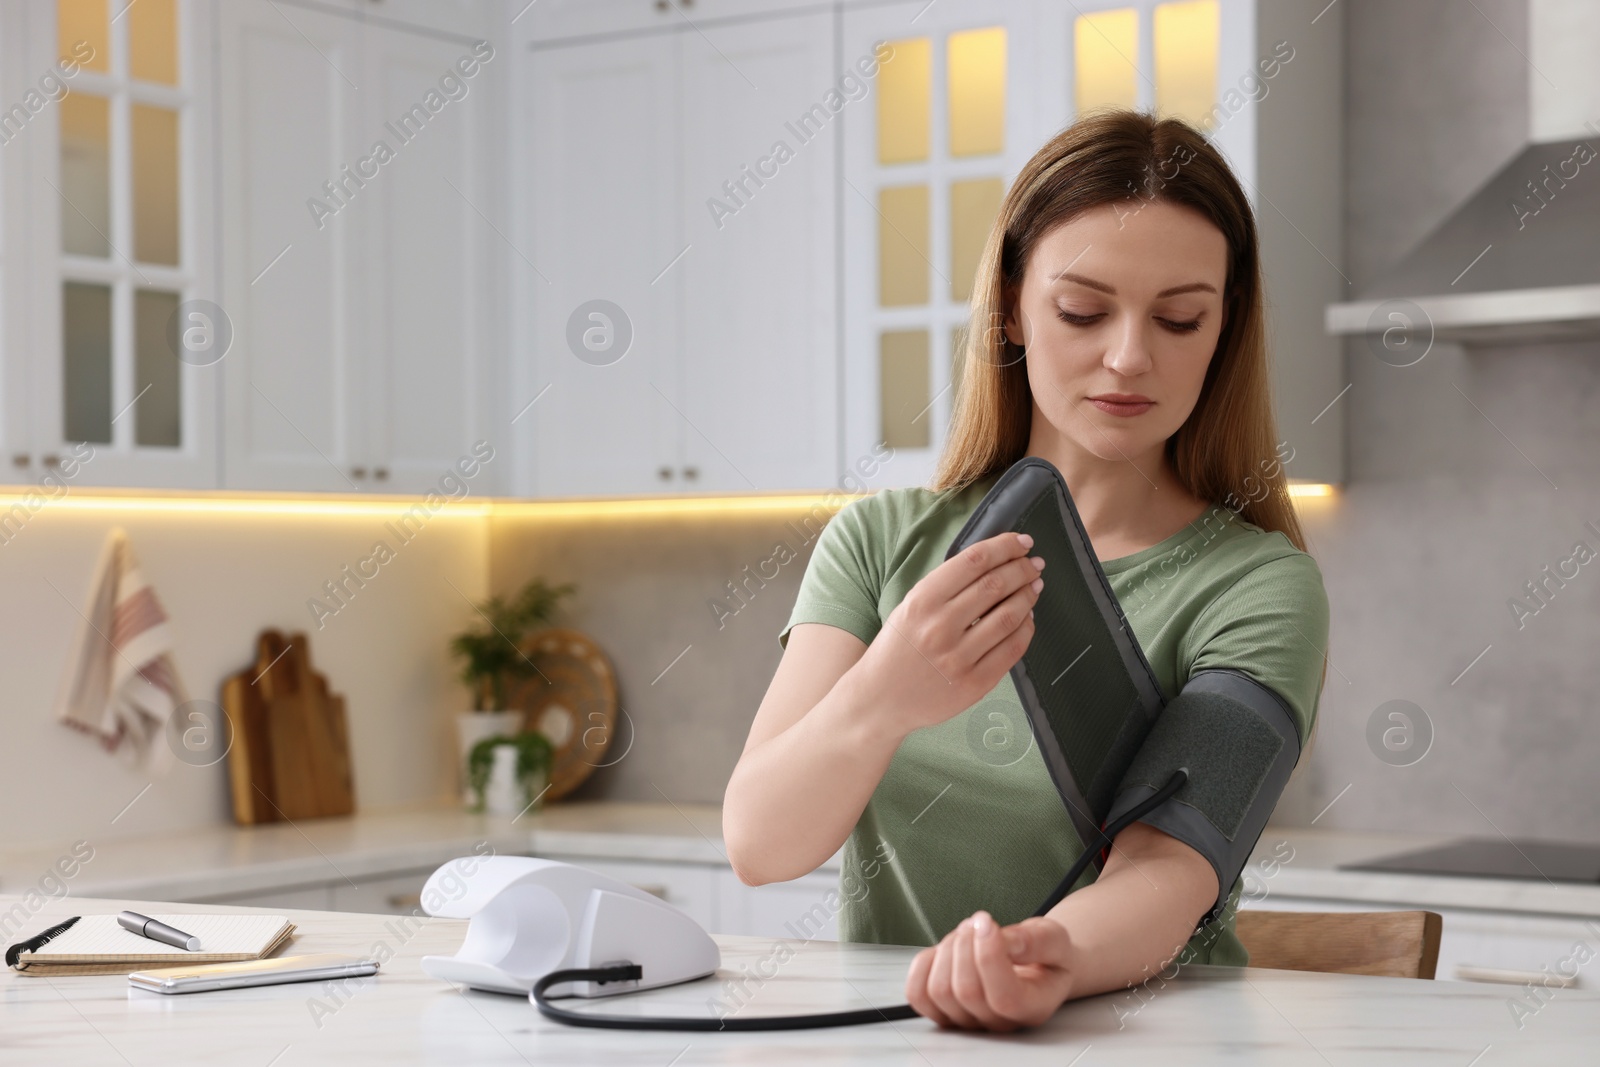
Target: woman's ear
[1013,322]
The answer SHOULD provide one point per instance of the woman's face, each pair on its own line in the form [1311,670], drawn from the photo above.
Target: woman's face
[1119,311]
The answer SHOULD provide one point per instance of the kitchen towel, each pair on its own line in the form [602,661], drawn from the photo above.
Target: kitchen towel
[121,684]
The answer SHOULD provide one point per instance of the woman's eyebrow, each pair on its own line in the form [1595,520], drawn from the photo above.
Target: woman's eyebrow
[1191,287]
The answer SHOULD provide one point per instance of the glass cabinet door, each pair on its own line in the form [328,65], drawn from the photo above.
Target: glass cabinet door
[128,342]
[964,94]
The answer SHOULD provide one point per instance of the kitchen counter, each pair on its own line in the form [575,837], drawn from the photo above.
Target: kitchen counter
[1206,1015]
[225,861]
[1313,872]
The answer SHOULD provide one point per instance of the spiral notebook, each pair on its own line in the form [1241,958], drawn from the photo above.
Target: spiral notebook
[95,944]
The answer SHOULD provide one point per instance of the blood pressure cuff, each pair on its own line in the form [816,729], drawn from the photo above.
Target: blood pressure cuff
[1238,741]
[1084,683]
[1106,732]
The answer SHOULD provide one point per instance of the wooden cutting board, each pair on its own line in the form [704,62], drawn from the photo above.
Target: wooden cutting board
[290,757]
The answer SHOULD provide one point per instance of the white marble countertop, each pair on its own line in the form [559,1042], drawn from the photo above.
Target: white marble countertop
[1313,872]
[225,860]
[1206,1015]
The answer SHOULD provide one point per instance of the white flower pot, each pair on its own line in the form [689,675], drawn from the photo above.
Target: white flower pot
[504,794]
[474,726]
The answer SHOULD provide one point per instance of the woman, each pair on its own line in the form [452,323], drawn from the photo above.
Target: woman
[1117,331]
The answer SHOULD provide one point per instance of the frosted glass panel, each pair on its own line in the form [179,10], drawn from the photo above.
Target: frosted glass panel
[88,22]
[85,175]
[156,415]
[155,184]
[905,97]
[153,41]
[973,207]
[1186,37]
[86,361]
[977,83]
[903,388]
[903,263]
[1106,51]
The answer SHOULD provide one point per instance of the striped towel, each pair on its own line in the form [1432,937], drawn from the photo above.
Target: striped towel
[121,684]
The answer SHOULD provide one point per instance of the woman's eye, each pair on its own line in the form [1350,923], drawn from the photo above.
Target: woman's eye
[1181,327]
[1076,320]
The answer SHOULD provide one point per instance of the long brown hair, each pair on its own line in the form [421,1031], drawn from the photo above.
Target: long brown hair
[1225,452]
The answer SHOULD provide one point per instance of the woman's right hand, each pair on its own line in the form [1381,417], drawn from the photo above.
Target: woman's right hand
[955,634]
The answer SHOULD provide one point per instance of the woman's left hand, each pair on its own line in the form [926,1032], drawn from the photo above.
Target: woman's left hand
[984,976]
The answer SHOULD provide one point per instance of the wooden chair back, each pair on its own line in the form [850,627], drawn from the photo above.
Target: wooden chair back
[1397,944]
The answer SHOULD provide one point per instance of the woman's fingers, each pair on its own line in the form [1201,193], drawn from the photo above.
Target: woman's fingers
[966,980]
[1003,620]
[949,578]
[982,596]
[941,989]
[917,986]
[1003,993]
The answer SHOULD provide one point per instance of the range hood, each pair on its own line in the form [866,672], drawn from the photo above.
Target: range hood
[1519,260]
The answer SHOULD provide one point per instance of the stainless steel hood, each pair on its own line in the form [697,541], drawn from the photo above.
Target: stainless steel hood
[1519,261]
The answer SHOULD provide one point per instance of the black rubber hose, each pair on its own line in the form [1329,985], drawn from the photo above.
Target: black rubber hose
[633,972]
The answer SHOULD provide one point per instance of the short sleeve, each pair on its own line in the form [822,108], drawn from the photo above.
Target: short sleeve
[844,576]
[1272,624]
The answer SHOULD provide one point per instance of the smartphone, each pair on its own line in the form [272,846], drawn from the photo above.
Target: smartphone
[208,976]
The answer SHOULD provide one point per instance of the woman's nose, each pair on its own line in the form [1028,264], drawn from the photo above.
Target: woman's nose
[1128,353]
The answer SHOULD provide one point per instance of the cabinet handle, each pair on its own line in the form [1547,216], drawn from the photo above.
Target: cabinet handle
[51,460]
[1468,972]
[653,890]
[358,472]
[381,473]
[665,474]
[404,900]
[691,473]
[20,459]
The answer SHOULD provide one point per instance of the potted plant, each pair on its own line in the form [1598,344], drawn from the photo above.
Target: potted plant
[491,657]
[508,774]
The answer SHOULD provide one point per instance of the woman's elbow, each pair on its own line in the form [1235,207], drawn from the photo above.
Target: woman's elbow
[745,861]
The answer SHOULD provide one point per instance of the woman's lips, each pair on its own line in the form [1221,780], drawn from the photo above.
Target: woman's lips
[1121,408]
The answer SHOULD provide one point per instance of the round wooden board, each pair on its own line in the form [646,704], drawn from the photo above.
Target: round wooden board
[572,701]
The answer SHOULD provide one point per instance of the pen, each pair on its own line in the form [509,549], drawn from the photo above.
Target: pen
[155,930]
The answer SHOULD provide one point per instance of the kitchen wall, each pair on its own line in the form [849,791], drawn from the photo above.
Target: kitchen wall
[222,578]
[692,657]
[1469,474]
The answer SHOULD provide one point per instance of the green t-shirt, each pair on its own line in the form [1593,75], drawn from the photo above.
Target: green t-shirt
[966,816]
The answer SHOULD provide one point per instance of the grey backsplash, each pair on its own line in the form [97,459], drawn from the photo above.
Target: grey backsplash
[1468,475]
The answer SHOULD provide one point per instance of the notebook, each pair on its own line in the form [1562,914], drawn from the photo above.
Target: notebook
[95,944]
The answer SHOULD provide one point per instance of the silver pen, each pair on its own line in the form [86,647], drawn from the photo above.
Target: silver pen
[156,930]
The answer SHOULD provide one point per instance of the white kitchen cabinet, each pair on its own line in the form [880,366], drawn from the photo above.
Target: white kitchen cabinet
[711,364]
[392,893]
[759,382]
[689,887]
[315,897]
[567,20]
[806,907]
[106,234]
[601,118]
[431,315]
[291,116]
[355,249]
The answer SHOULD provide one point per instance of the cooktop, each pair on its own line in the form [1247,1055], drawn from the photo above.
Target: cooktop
[1485,857]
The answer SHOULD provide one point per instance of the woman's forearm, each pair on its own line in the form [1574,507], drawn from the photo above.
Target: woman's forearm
[793,799]
[1138,914]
